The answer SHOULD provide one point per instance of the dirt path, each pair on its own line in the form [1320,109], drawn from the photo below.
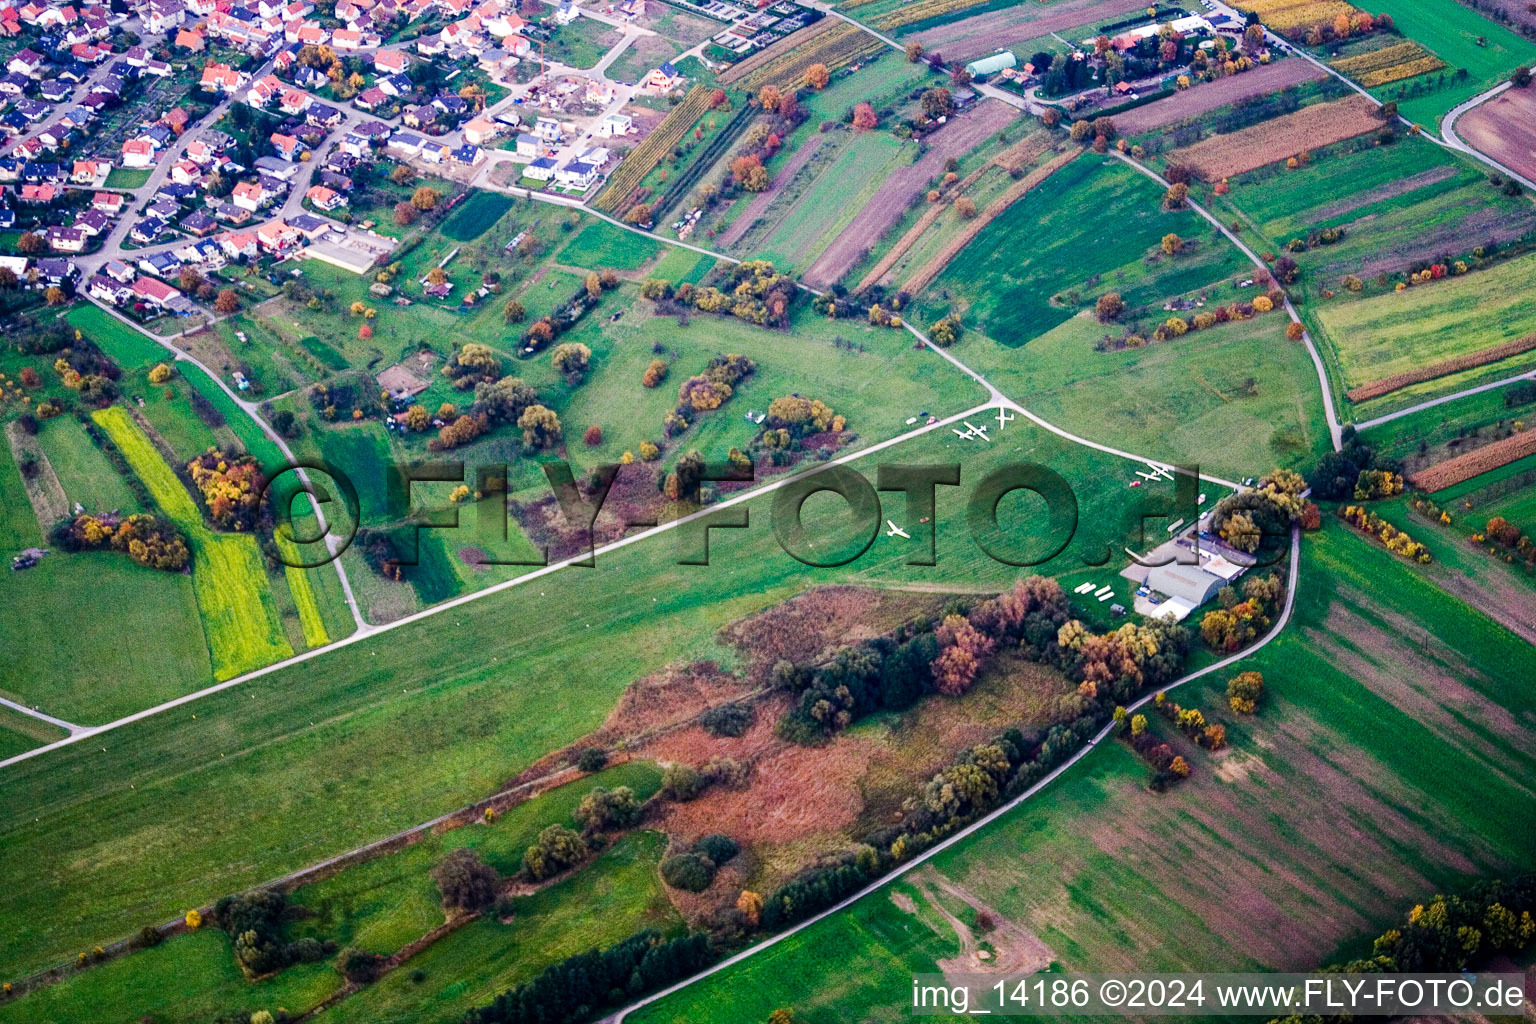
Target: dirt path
[963,133]
[1014,950]
[760,202]
[984,33]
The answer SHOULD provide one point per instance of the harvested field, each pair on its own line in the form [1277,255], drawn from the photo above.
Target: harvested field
[1474,463]
[1388,64]
[1291,17]
[1482,357]
[960,135]
[742,68]
[1261,79]
[760,202]
[1321,124]
[1490,226]
[925,274]
[980,34]
[1504,128]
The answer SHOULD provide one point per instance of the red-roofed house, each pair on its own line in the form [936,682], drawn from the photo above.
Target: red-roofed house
[190,39]
[221,78]
[156,293]
[325,198]
[286,146]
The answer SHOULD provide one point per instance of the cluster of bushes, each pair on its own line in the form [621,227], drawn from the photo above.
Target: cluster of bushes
[1429,510]
[472,364]
[840,305]
[1242,618]
[1315,238]
[257,922]
[1167,767]
[1450,934]
[752,291]
[1397,542]
[543,331]
[1244,691]
[729,719]
[231,486]
[147,539]
[1110,307]
[581,986]
[1508,536]
[1191,722]
[945,657]
[82,367]
[1337,474]
[1522,393]
[707,390]
[332,398]
[694,870]
[783,114]
[1264,513]
[791,419]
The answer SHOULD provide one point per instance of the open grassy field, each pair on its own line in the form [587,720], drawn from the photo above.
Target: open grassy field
[1463,39]
[227,573]
[19,732]
[19,527]
[362,742]
[115,636]
[1392,717]
[1236,399]
[1009,283]
[87,476]
[1395,332]
[475,215]
[1443,423]
[602,245]
[1396,204]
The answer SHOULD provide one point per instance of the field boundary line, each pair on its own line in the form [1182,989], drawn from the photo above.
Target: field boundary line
[1431,403]
[1083,751]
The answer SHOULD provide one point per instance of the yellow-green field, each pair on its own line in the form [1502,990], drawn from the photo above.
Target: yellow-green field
[238,611]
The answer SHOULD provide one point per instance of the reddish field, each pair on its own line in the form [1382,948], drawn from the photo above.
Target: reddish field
[1476,462]
[1505,129]
[963,133]
[1264,78]
[1321,124]
[981,34]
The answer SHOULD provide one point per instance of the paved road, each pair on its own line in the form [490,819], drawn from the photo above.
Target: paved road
[69,727]
[1448,130]
[981,823]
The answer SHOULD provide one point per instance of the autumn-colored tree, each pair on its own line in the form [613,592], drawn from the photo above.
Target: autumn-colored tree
[914,52]
[654,373]
[572,360]
[938,102]
[403,174]
[750,173]
[1081,131]
[54,296]
[1172,243]
[649,451]
[194,920]
[405,214]
[1244,691]
[417,418]
[424,198]
[30,243]
[965,207]
[1176,197]
[864,117]
[1050,117]
[540,426]
[513,312]
[1109,307]
[751,906]
[593,436]
[189,279]
[768,97]
[1179,767]
[816,77]
[640,213]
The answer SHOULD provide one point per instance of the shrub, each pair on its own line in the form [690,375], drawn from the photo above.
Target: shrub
[730,719]
[1244,691]
[688,871]
[603,809]
[465,881]
[359,966]
[681,782]
[719,848]
[592,759]
[556,849]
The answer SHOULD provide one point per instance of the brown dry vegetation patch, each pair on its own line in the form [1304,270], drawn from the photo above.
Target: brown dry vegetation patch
[1186,103]
[809,627]
[962,133]
[979,34]
[1504,128]
[1478,226]
[1322,124]
[633,498]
